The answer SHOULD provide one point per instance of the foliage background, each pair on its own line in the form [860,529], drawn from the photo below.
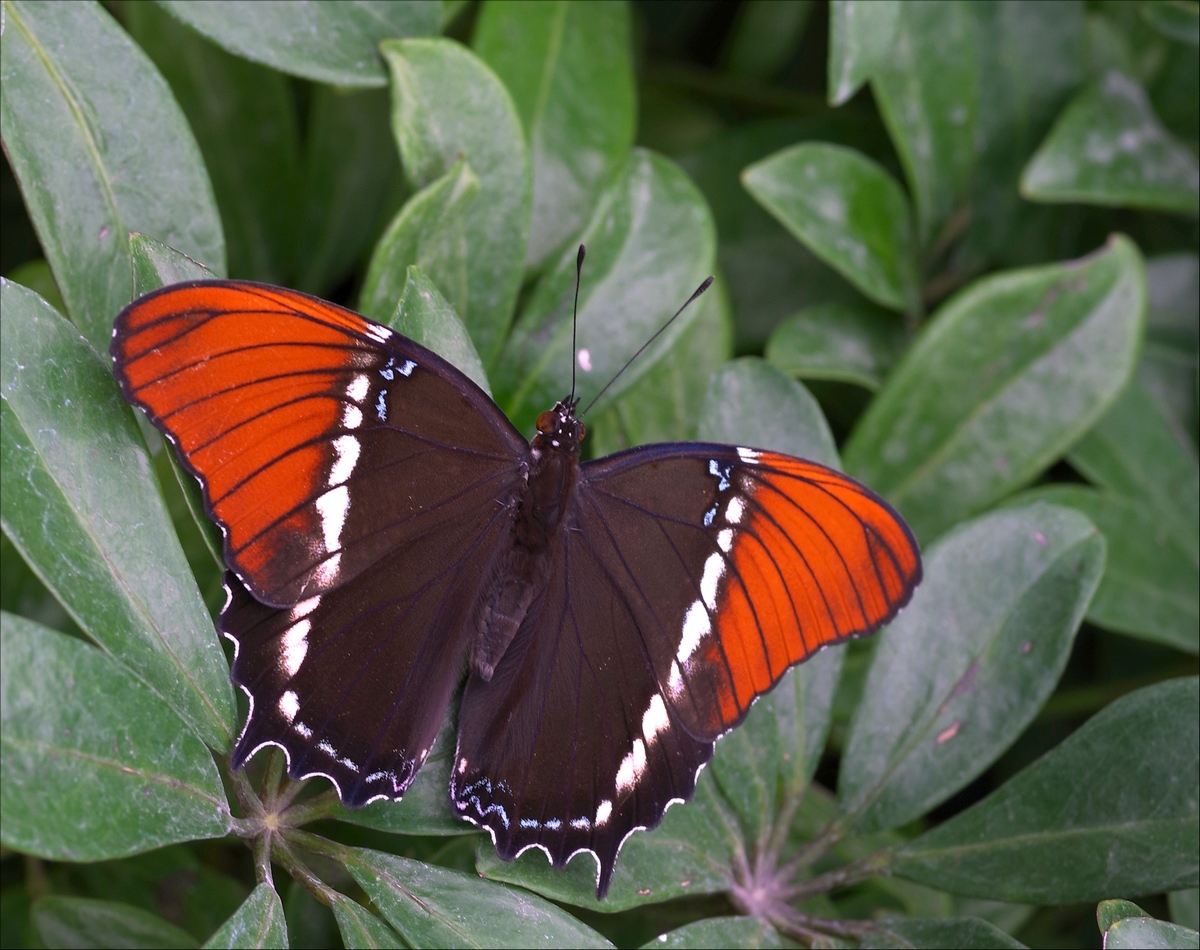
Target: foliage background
[963,236]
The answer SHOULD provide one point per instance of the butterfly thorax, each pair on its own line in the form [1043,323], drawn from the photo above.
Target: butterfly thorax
[521,571]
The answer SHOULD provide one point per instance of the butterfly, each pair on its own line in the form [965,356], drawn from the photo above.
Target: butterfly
[388,531]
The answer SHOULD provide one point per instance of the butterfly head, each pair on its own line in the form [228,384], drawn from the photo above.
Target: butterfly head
[558,429]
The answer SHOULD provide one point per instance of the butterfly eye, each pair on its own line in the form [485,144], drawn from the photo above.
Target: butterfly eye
[547,422]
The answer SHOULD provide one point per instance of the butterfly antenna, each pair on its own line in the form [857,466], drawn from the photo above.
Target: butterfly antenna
[575,317]
[699,290]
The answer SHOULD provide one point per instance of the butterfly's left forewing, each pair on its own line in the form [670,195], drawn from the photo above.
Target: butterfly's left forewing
[690,579]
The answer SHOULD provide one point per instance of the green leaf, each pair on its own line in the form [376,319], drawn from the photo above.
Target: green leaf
[969,662]
[860,41]
[1151,583]
[729,932]
[424,315]
[1134,450]
[360,929]
[1185,907]
[95,765]
[351,184]
[80,923]
[750,402]
[446,105]
[1037,838]
[765,36]
[664,404]
[81,504]
[927,87]
[1109,912]
[429,233]
[955,933]
[569,70]
[1006,376]
[1172,348]
[100,149]
[429,906]
[259,922]
[848,211]
[334,43]
[845,342]
[1176,19]
[1109,148]
[244,119]
[650,244]
[1146,933]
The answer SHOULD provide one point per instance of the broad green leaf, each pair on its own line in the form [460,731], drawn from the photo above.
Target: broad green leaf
[244,118]
[664,404]
[95,765]
[749,402]
[927,87]
[569,70]
[690,853]
[429,905]
[1146,933]
[258,922]
[360,929]
[955,933]
[1038,839]
[82,505]
[352,184]
[848,211]
[1177,19]
[424,315]
[1172,349]
[83,924]
[860,41]
[1110,911]
[36,275]
[1006,376]
[729,932]
[649,245]
[1134,450]
[765,36]
[969,662]
[845,342]
[447,105]
[1109,148]
[1151,583]
[1185,907]
[334,43]
[100,149]
[429,233]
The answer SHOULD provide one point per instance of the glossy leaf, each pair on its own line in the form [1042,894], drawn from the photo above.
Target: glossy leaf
[360,929]
[848,211]
[649,245]
[843,342]
[82,923]
[969,662]
[750,402]
[926,86]
[1134,450]
[100,149]
[95,765]
[730,932]
[1007,375]
[1038,839]
[82,505]
[429,905]
[334,43]
[259,922]
[569,69]
[352,184]
[447,105]
[1109,148]
[956,933]
[1151,583]
[1146,933]
[860,40]
[428,233]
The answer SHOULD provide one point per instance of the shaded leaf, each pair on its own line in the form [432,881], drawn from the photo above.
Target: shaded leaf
[360,929]
[843,342]
[259,922]
[1036,838]
[80,923]
[956,933]
[100,149]
[731,932]
[765,36]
